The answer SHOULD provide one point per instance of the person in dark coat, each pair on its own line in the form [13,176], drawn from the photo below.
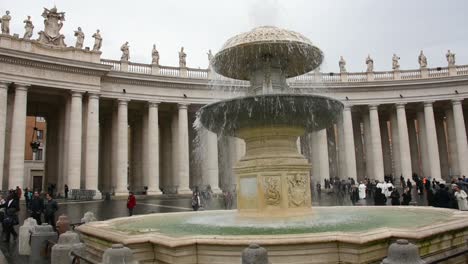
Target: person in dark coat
[131,203]
[395,196]
[409,184]
[442,197]
[66,191]
[354,194]
[11,216]
[379,197]
[406,196]
[50,209]
[37,207]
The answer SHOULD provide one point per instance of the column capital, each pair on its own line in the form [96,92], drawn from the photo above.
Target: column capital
[428,103]
[400,105]
[182,105]
[373,106]
[123,101]
[4,84]
[347,107]
[457,101]
[153,104]
[93,96]
[22,86]
[75,93]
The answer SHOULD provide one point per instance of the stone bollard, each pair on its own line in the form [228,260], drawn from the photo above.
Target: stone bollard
[118,254]
[88,217]
[255,254]
[67,242]
[40,235]
[63,224]
[24,235]
[403,252]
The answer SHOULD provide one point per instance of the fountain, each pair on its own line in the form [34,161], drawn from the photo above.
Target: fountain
[274,200]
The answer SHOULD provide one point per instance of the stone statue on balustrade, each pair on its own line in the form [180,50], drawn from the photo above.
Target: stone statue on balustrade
[53,23]
[182,58]
[79,38]
[155,55]
[342,64]
[5,20]
[422,60]
[395,62]
[370,64]
[97,41]
[28,28]
[125,52]
[450,58]
[210,58]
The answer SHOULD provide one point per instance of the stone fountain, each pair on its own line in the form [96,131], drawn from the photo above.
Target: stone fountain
[272,178]
[274,201]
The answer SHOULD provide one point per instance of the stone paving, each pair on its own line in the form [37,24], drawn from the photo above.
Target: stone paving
[117,208]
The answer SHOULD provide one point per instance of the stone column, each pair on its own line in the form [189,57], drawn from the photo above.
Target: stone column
[442,143]
[122,149]
[460,133]
[17,138]
[433,149]
[184,158]
[368,147]
[320,153]
[423,150]
[376,143]
[359,153]
[210,171]
[342,173]
[413,139]
[92,145]
[405,154]
[75,141]
[386,152]
[452,143]
[3,117]
[153,149]
[349,143]
[396,157]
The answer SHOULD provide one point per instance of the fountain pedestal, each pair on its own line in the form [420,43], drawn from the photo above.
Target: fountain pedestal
[273,176]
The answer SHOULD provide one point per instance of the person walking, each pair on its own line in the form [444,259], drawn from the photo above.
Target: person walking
[11,216]
[131,203]
[26,197]
[50,209]
[461,197]
[354,194]
[195,201]
[395,196]
[37,207]
[406,196]
[379,197]
[66,191]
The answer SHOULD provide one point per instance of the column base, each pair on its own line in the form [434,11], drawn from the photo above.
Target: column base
[98,195]
[154,192]
[121,193]
[184,191]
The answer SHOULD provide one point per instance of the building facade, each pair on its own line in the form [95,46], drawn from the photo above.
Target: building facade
[118,125]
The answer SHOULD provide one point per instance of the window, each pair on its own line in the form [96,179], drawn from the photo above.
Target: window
[40,134]
[39,154]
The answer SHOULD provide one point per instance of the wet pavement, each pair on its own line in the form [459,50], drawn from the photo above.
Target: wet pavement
[117,208]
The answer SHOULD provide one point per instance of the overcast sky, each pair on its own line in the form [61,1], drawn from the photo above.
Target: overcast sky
[338,27]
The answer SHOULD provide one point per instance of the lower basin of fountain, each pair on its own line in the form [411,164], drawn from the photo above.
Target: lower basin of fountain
[358,234]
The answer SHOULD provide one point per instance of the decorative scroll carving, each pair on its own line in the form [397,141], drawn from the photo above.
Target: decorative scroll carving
[297,189]
[272,190]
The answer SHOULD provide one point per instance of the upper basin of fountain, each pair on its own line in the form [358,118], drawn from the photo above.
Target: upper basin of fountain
[241,55]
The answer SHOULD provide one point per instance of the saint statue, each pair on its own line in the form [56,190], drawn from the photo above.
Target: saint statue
[370,64]
[342,64]
[450,58]
[182,58]
[422,60]
[395,63]
[97,41]
[210,59]
[5,20]
[155,55]
[79,38]
[53,22]
[125,52]
[28,28]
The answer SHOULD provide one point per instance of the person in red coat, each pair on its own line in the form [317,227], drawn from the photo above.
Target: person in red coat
[131,203]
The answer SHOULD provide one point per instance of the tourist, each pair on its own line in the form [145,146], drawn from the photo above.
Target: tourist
[319,189]
[37,207]
[354,194]
[362,190]
[2,213]
[50,209]
[442,197]
[461,197]
[131,203]
[406,196]
[66,191]
[430,196]
[18,192]
[228,200]
[11,216]
[409,184]
[379,197]
[395,196]
[195,201]
[27,197]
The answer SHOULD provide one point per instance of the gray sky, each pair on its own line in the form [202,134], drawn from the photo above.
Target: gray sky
[352,28]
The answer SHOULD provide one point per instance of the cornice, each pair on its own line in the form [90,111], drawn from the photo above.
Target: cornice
[52,63]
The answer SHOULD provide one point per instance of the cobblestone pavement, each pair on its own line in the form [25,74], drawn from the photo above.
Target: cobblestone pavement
[117,208]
